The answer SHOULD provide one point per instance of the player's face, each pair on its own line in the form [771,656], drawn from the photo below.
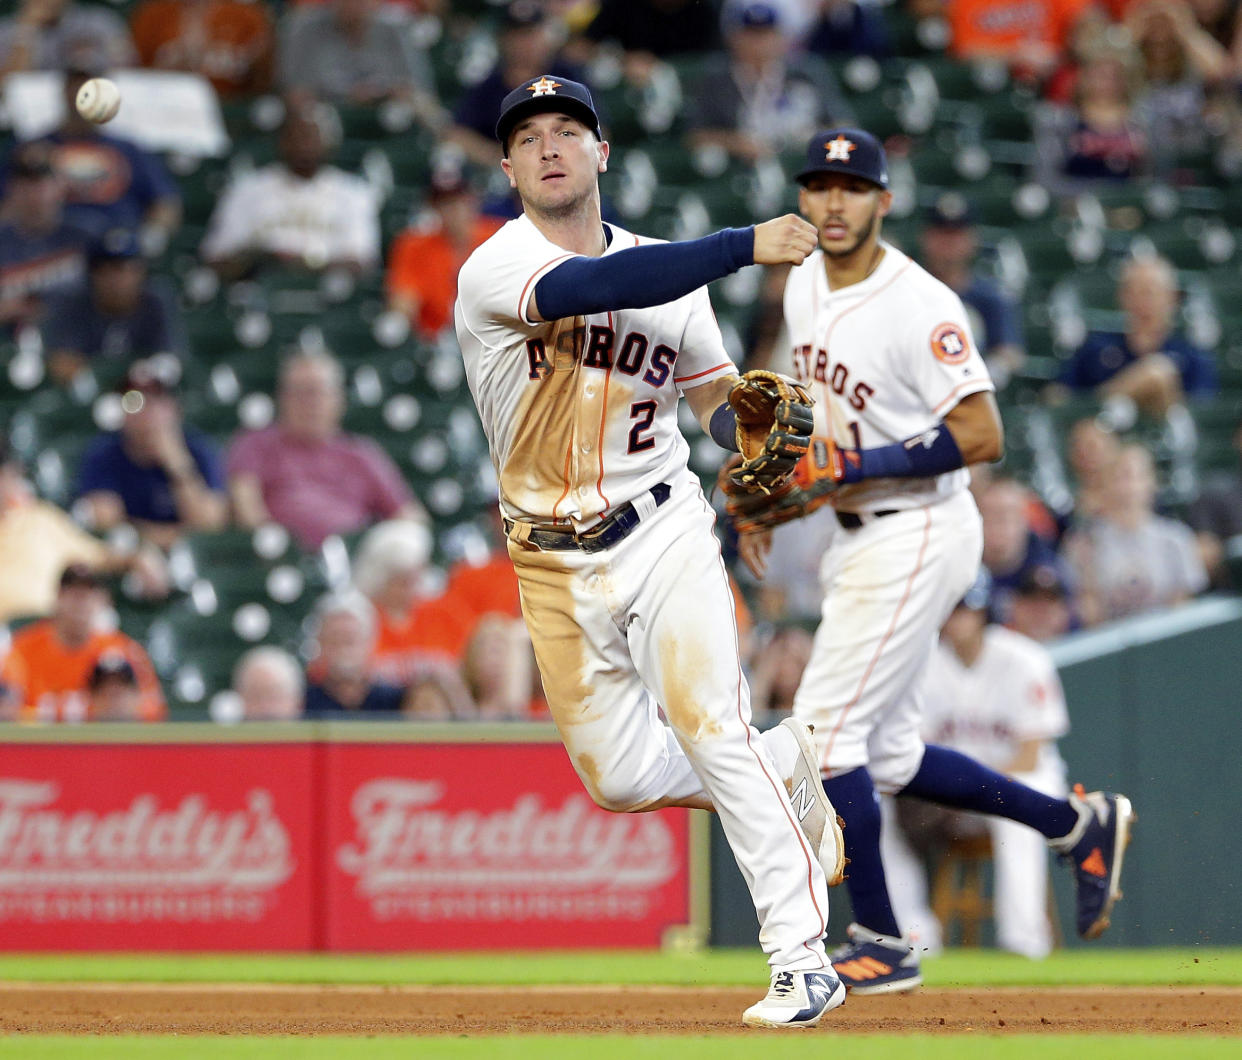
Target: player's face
[962,628]
[845,210]
[554,162]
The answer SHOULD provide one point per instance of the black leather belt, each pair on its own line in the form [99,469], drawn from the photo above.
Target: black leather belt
[612,531]
[852,520]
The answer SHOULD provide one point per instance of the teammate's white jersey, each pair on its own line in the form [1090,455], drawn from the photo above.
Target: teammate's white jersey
[852,348]
[1010,694]
[580,414]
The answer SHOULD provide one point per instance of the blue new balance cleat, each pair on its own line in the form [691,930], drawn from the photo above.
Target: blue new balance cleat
[796,999]
[1096,848]
[871,963]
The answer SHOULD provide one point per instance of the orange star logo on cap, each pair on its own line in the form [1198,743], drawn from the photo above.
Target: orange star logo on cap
[839,149]
[545,86]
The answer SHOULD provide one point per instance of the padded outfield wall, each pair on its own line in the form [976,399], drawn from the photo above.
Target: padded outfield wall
[1156,712]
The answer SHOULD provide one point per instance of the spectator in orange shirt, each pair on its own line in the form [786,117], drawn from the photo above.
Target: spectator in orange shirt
[485,586]
[416,634]
[227,41]
[1030,35]
[59,654]
[425,259]
[499,660]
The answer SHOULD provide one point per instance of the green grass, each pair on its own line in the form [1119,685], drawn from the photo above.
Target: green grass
[965,968]
[742,1047]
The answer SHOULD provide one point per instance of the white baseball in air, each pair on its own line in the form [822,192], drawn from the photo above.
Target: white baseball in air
[99,100]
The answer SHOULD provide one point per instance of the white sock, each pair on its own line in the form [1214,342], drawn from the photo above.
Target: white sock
[1067,841]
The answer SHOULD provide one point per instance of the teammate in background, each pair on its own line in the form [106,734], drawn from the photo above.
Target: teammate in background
[578,339]
[995,695]
[905,398]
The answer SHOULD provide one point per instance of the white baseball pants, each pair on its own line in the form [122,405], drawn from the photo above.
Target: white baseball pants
[888,587]
[651,621]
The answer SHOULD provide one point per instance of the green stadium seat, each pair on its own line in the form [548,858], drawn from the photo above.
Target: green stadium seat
[201,187]
[1007,116]
[969,81]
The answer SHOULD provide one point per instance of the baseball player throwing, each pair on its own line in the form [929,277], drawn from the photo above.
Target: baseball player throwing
[904,404]
[578,339]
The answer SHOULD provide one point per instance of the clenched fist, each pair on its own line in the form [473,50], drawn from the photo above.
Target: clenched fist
[782,240]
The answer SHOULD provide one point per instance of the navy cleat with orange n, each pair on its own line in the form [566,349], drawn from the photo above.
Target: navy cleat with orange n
[871,963]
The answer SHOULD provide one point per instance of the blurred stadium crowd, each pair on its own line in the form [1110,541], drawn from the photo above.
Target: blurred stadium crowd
[240,473]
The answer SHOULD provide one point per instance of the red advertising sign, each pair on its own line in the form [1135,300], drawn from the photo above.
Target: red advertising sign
[455,846]
[156,847]
[325,844]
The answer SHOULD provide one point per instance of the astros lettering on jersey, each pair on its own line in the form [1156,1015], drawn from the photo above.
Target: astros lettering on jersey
[852,348]
[580,415]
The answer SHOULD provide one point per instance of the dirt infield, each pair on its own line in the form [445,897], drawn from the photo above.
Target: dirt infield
[95,1008]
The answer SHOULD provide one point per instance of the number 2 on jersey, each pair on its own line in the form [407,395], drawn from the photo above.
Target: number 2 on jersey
[642,412]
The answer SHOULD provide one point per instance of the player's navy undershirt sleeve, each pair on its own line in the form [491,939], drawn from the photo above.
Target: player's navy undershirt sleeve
[925,455]
[642,276]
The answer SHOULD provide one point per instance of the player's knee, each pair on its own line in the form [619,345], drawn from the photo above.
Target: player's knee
[618,795]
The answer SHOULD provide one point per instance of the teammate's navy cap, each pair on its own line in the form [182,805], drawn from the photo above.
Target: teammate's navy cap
[545,93]
[843,150]
[1043,579]
[979,593]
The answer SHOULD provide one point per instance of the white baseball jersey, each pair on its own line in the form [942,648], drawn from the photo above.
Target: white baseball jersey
[852,348]
[1010,694]
[580,415]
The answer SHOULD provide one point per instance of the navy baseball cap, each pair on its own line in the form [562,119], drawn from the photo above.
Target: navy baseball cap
[1043,579]
[546,93]
[845,150]
[753,16]
[979,593]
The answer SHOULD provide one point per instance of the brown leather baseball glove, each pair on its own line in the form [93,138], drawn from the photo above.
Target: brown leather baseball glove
[774,425]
